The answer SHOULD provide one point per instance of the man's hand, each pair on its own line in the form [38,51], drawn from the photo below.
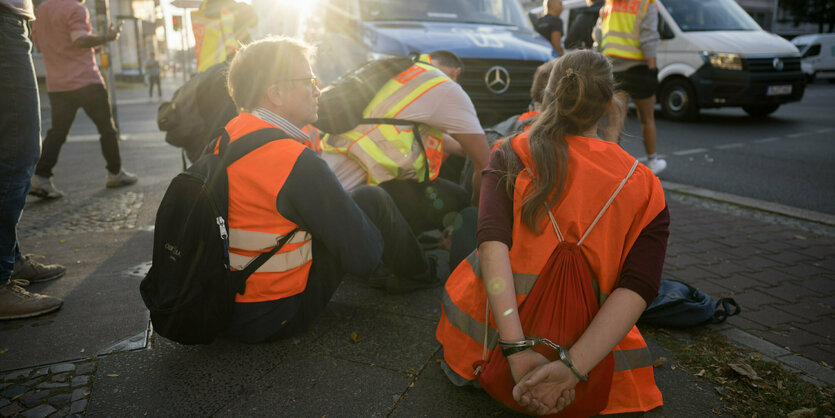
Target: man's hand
[113,32]
[547,389]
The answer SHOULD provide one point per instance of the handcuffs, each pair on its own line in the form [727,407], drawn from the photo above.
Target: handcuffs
[512,347]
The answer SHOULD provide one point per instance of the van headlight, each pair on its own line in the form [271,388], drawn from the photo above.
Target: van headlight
[723,60]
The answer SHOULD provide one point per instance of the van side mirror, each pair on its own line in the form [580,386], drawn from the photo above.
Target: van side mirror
[664,29]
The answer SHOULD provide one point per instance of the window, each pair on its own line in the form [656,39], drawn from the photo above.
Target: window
[813,51]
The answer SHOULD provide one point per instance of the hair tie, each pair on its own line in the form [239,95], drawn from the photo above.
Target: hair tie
[569,72]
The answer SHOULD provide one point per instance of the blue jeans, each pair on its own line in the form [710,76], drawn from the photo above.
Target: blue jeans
[20,131]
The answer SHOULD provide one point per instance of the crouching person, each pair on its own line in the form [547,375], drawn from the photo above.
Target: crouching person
[283,187]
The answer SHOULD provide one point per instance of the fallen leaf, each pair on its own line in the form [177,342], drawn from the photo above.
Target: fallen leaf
[355,338]
[803,413]
[4,351]
[779,384]
[745,370]
[827,405]
[112,375]
[823,363]
[673,367]
[801,237]
[14,398]
[701,373]
[115,390]
[660,361]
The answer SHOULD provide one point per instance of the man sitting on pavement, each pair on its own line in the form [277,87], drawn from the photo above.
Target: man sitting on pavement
[378,154]
[285,186]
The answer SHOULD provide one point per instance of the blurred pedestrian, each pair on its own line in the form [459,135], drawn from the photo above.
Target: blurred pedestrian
[63,34]
[542,196]
[580,29]
[154,71]
[550,24]
[627,33]
[20,131]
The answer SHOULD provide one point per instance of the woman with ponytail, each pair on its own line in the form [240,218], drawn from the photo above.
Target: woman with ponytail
[555,187]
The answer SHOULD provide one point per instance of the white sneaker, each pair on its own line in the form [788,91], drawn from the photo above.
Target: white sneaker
[123,178]
[43,188]
[657,165]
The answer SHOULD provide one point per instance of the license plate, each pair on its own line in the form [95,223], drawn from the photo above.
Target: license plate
[779,90]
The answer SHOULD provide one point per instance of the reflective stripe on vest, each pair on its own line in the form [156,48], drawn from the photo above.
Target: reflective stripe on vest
[255,225]
[214,38]
[621,28]
[389,152]
[461,329]
[263,242]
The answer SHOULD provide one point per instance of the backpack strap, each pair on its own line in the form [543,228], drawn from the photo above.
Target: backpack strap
[415,132]
[723,310]
[234,150]
[609,202]
[239,277]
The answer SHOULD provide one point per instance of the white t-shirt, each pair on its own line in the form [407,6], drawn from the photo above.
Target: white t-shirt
[446,107]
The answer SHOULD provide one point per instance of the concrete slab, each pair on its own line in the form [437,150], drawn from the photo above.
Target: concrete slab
[312,384]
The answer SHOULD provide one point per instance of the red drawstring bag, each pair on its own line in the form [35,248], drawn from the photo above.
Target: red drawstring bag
[560,307]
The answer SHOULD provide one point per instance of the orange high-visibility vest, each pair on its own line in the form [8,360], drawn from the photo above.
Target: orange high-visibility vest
[255,226]
[596,169]
[621,28]
[314,140]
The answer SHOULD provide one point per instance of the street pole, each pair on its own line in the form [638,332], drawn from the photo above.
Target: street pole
[184,52]
[102,20]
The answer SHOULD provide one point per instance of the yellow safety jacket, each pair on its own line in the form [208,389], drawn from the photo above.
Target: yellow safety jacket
[621,28]
[214,38]
[386,151]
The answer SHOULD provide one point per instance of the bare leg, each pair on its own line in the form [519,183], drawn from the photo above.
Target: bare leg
[616,117]
[646,114]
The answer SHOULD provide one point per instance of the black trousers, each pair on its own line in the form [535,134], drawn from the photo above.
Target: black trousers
[94,100]
[154,79]
[429,205]
[283,318]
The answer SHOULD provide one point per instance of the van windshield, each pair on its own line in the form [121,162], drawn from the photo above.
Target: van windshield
[491,12]
[709,15]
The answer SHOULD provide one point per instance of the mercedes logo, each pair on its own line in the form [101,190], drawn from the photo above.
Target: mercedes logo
[777,64]
[497,79]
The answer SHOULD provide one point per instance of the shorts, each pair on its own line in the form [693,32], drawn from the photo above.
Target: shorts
[640,82]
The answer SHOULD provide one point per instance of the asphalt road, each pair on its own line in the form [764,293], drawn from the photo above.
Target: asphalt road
[788,158]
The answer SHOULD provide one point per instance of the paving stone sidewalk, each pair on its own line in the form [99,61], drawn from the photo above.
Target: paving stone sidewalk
[783,277]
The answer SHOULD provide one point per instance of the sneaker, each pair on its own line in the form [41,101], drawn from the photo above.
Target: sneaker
[657,165]
[122,178]
[43,188]
[17,303]
[34,272]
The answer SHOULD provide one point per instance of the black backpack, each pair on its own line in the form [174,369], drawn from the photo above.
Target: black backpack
[342,103]
[197,112]
[190,289]
[679,305]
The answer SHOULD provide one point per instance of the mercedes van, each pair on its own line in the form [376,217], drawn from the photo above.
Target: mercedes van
[818,55]
[713,54]
[494,38]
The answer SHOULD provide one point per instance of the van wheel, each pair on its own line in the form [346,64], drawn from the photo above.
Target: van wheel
[678,100]
[760,111]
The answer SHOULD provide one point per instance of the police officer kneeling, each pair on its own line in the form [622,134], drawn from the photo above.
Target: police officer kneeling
[283,186]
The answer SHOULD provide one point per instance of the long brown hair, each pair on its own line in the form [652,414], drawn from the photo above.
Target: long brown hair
[579,90]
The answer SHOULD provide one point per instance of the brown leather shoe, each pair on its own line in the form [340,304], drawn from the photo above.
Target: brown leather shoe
[17,303]
[34,272]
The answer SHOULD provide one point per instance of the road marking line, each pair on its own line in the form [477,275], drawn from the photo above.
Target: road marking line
[690,151]
[729,146]
[766,140]
[798,135]
[824,131]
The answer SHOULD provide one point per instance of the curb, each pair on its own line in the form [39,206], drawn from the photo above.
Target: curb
[813,372]
[746,202]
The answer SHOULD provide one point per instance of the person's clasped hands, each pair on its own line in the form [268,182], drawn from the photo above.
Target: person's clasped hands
[545,387]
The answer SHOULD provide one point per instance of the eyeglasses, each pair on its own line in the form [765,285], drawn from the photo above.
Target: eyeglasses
[314,81]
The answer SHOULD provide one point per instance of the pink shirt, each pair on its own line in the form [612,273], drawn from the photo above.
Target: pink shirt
[67,67]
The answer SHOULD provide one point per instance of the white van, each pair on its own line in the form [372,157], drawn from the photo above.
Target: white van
[712,54]
[818,52]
